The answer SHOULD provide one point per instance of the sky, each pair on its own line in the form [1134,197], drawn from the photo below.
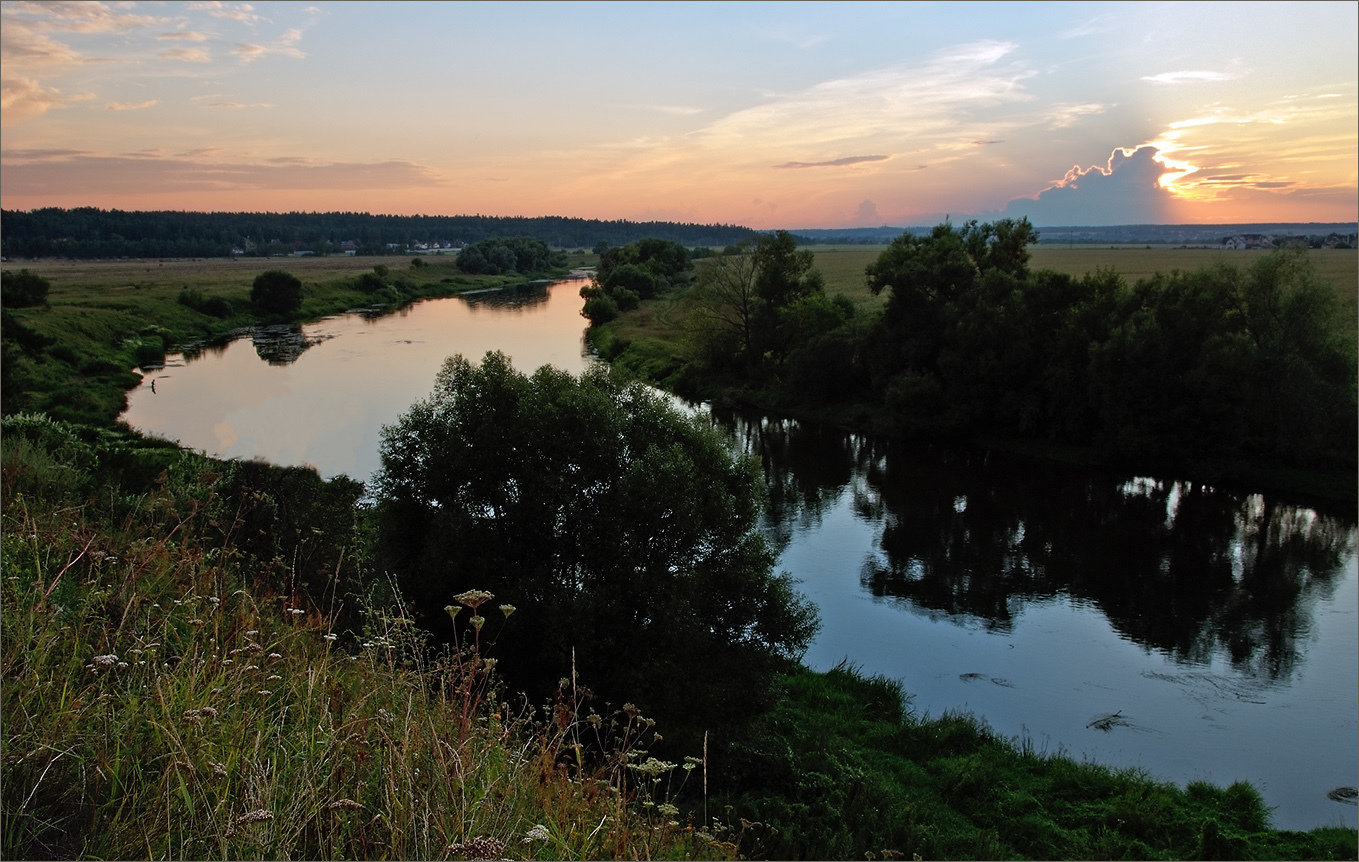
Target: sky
[770,115]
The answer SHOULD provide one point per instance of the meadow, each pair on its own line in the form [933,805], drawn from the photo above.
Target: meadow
[843,266]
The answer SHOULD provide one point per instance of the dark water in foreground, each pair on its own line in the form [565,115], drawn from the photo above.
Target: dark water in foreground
[1216,629]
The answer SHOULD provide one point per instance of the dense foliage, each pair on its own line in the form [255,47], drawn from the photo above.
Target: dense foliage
[88,232]
[23,288]
[755,302]
[1214,364]
[522,254]
[276,292]
[628,274]
[620,527]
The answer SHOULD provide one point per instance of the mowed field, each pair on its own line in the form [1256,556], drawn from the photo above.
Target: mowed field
[213,275]
[843,266]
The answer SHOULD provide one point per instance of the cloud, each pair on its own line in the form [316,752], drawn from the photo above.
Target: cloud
[43,173]
[1098,24]
[867,213]
[242,12]
[249,51]
[186,35]
[129,106]
[985,143]
[835,163]
[1067,114]
[1126,190]
[187,55]
[925,103]
[71,16]
[40,155]
[22,98]
[674,110]
[1189,77]
[21,45]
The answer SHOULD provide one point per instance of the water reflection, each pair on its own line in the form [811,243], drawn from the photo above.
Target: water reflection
[282,344]
[1183,568]
[515,298]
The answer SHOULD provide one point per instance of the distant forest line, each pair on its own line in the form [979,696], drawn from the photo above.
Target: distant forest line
[88,232]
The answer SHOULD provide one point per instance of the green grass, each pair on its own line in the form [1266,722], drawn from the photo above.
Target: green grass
[844,770]
[843,266]
[108,317]
[163,698]
[158,703]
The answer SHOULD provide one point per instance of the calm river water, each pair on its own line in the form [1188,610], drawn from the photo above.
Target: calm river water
[1214,630]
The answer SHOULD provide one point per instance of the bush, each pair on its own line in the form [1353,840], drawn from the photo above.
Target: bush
[276,292]
[621,527]
[23,288]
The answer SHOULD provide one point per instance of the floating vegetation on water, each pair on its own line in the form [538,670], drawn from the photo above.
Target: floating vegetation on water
[1347,795]
[1212,691]
[1109,721]
[996,680]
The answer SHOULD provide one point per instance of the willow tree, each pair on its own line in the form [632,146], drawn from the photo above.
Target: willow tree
[621,528]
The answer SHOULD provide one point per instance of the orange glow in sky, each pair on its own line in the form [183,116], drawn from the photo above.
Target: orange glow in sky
[769,115]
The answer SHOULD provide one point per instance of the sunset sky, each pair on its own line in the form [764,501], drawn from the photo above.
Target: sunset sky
[798,115]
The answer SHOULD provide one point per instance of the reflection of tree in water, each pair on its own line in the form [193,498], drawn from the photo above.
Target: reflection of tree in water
[1179,567]
[282,344]
[806,467]
[1175,566]
[516,297]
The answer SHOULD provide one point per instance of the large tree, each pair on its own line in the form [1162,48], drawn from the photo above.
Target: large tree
[621,528]
[276,292]
[725,304]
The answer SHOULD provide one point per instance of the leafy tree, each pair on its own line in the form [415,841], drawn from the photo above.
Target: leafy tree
[277,292]
[622,530]
[501,255]
[725,300]
[370,282]
[784,273]
[23,288]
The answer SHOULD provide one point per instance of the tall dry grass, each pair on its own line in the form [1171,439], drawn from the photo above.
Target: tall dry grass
[155,705]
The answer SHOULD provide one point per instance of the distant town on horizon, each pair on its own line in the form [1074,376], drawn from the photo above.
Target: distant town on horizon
[90,232]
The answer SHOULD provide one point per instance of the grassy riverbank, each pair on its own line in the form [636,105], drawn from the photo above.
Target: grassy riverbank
[163,696]
[103,318]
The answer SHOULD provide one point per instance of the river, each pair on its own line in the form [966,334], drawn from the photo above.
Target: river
[1191,631]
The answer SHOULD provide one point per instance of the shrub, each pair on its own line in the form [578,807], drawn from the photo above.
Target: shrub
[276,292]
[23,288]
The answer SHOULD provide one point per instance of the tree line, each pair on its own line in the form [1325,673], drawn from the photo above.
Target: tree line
[1218,363]
[90,232]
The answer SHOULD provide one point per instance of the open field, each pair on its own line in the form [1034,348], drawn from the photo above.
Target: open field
[210,275]
[843,266]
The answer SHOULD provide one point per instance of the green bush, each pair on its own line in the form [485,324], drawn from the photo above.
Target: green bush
[276,292]
[23,288]
[621,526]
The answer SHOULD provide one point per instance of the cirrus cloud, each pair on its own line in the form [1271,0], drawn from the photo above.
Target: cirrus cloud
[835,163]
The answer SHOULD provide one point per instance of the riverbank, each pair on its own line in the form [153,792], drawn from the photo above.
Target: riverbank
[161,697]
[661,342]
[104,318]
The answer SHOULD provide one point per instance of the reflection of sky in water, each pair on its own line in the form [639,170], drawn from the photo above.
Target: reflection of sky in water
[1062,663]
[326,408]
